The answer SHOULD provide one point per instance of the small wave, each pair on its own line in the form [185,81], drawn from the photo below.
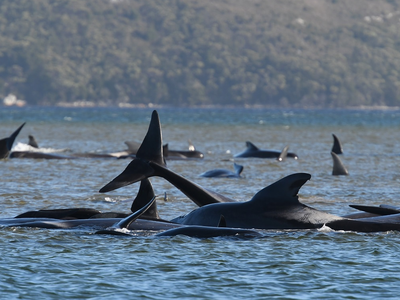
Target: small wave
[25,147]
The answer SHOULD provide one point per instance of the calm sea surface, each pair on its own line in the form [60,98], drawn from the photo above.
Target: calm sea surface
[76,264]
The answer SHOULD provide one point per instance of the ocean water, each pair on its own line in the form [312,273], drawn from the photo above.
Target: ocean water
[306,264]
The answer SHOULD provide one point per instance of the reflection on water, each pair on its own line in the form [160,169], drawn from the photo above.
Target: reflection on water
[284,264]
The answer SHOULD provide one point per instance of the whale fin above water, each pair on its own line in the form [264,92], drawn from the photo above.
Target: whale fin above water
[32,142]
[191,146]
[137,170]
[151,148]
[378,210]
[338,167]
[283,154]
[337,145]
[141,167]
[282,193]
[238,169]
[250,146]
[125,222]
[145,194]
[7,143]
[132,146]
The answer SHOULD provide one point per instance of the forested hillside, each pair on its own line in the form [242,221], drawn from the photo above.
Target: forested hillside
[286,53]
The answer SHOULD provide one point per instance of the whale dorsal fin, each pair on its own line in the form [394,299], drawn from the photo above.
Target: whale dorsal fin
[251,146]
[337,146]
[281,193]
[338,167]
[166,149]
[7,143]
[32,142]
[238,168]
[151,148]
[283,154]
[145,194]
[132,146]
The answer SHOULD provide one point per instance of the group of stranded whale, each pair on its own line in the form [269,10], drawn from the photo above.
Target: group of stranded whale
[275,207]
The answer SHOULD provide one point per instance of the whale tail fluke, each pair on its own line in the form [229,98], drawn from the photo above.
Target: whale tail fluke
[7,143]
[136,171]
[151,149]
[337,145]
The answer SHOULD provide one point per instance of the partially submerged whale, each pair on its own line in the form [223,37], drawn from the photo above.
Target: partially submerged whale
[143,206]
[192,153]
[254,151]
[169,154]
[277,207]
[145,194]
[121,227]
[7,143]
[224,173]
[274,207]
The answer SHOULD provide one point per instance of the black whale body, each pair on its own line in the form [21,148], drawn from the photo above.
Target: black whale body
[274,207]
[254,151]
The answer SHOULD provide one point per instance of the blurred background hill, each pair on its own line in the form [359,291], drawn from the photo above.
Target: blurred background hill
[278,53]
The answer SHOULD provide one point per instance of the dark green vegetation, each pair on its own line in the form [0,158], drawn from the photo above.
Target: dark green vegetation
[299,53]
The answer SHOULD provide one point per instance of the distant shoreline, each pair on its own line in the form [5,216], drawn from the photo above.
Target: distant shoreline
[88,104]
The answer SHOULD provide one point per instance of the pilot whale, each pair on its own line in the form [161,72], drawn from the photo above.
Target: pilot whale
[169,154]
[254,151]
[7,143]
[277,207]
[145,193]
[223,173]
[274,207]
[84,217]
[121,227]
